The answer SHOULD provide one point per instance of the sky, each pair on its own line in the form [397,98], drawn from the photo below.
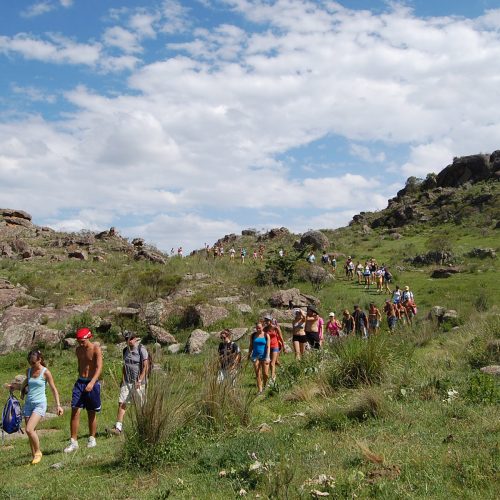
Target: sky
[183,121]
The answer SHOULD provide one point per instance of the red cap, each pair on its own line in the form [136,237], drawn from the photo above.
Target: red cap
[83,333]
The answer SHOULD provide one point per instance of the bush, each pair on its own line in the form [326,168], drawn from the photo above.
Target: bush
[358,362]
[483,389]
[482,302]
[484,349]
[156,427]
[279,271]
[225,403]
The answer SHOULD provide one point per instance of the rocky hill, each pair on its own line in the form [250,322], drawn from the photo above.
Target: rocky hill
[464,190]
[49,279]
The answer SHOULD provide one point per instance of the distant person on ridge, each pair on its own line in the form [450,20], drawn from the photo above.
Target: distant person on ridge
[87,389]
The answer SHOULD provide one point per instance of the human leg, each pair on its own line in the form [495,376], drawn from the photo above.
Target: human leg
[265,371]
[258,375]
[274,359]
[92,422]
[74,422]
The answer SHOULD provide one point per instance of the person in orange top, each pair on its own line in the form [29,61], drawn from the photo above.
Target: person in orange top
[277,343]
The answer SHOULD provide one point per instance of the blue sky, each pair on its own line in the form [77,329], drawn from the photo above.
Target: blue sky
[182,121]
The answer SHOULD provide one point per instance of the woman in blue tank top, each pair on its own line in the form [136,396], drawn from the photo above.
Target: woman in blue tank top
[37,377]
[260,353]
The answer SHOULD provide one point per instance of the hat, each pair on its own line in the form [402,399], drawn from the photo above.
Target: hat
[297,310]
[312,309]
[407,288]
[127,335]
[331,315]
[268,317]
[83,334]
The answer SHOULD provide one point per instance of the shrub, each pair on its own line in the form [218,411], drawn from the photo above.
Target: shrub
[359,362]
[482,302]
[156,427]
[278,270]
[484,349]
[330,417]
[223,403]
[368,404]
[483,388]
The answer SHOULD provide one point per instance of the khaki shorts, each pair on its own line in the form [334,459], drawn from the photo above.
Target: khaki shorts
[128,393]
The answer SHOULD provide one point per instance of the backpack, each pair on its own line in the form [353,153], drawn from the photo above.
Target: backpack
[141,357]
[12,416]
[150,359]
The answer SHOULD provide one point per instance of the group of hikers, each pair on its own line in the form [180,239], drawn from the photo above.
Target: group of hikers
[86,390]
[309,331]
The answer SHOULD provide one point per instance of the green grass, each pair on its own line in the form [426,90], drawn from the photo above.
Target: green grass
[405,416]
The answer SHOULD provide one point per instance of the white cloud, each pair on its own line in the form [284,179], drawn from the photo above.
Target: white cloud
[202,132]
[365,154]
[34,94]
[37,9]
[66,3]
[123,39]
[57,49]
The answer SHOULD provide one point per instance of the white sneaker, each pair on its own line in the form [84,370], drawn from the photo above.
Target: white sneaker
[73,446]
[91,443]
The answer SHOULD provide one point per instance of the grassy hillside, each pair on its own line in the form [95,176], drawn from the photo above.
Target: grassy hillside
[405,415]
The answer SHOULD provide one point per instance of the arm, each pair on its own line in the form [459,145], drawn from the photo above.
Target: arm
[52,385]
[98,368]
[280,338]
[250,347]
[320,328]
[144,371]
[268,348]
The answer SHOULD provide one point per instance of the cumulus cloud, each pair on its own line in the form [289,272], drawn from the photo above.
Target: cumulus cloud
[203,130]
[34,94]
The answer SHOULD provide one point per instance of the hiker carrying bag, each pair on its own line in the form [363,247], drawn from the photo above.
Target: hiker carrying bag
[12,416]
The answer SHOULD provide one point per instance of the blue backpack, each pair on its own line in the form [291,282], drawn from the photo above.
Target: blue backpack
[12,416]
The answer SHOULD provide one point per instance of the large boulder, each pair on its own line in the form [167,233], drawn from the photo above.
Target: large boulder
[482,253]
[196,341]
[158,311]
[78,254]
[472,168]
[9,212]
[205,314]
[444,272]
[144,254]
[18,221]
[23,336]
[491,370]
[292,298]
[315,239]
[9,293]
[161,335]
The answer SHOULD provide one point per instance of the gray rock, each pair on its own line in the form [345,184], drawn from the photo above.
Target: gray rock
[21,337]
[161,335]
[237,333]
[482,253]
[436,313]
[8,296]
[78,254]
[174,348]
[228,300]
[155,257]
[316,239]
[491,370]
[444,272]
[69,343]
[196,341]
[205,314]
[126,312]
[18,221]
[293,297]
[244,308]
[9,212]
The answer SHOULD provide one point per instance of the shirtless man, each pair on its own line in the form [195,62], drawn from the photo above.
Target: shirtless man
[87,389]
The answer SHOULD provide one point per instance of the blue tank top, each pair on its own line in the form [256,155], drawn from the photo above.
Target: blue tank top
[36,388]
[259,347]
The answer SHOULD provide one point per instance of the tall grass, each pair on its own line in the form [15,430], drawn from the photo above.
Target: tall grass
[155,425]
[358,361]
[223,403]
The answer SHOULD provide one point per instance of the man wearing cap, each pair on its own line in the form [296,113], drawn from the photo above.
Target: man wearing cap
[87,389]
[134,374]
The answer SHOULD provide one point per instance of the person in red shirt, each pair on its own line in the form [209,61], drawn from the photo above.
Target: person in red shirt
[277,342]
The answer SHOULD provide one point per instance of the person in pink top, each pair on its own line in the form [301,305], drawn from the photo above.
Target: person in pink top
[333,327]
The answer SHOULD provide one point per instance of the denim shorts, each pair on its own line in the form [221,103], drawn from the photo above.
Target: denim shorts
[33,407]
